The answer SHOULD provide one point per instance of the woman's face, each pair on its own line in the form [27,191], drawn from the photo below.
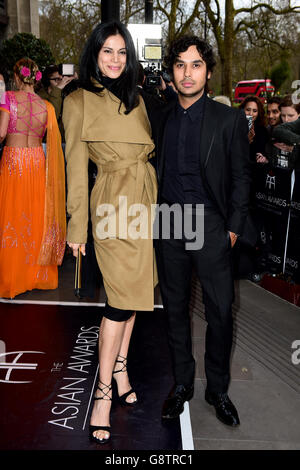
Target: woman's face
[251,109]
[288,114]
[112,57]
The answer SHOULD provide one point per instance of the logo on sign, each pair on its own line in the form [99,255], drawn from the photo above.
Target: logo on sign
[270,181]
[11,362]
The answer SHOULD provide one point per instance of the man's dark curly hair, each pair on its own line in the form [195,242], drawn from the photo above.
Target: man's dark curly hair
[274,100]
[182,44]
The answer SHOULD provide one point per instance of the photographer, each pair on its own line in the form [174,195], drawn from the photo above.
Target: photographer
[288,132]
[55,86]
[280,160]
[156,82]
[282,151]
[287,135]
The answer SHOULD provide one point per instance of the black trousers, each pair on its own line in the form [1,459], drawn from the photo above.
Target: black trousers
[213,267]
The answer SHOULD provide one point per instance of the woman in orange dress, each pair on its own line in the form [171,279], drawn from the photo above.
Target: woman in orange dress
[32,188]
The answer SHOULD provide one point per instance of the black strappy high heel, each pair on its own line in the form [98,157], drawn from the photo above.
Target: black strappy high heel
[92,428]
[123,397]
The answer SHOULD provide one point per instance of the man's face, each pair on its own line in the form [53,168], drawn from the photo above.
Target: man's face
[273,114]
[55,79]
[190,74]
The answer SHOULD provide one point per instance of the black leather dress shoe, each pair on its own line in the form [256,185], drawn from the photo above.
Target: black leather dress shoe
[225,409]
[174,404]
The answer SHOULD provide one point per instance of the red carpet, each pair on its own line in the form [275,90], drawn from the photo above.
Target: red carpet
[282,288]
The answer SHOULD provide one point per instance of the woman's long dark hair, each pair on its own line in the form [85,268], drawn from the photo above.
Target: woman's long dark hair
[261,118]
[125,87]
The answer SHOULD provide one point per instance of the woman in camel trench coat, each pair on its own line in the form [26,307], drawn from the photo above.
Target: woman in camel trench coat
[106,121]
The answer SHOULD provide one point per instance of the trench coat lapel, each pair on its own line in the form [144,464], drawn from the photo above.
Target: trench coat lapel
[103,121]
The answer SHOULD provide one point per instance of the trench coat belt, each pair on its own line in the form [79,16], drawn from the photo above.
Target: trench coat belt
[143,178]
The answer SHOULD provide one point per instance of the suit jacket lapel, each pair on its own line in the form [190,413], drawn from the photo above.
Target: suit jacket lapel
[208,132]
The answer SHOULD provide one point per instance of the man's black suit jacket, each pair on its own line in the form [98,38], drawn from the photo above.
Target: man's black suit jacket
[224,157]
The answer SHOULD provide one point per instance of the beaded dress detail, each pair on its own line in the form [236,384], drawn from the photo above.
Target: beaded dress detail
[23,192]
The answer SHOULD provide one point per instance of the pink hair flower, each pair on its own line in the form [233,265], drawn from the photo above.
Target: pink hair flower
[25,72]
[38,75]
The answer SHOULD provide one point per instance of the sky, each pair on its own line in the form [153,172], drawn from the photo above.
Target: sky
[239,3]
[247,3]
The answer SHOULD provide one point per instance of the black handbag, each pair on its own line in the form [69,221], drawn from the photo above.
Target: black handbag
[77,284]
[87,273]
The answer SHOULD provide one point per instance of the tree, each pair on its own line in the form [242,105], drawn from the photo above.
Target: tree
[67,24]
[280,73]
[258,50]
[236,21]
[268,26]
[132,9]
[24,45]
[181,17]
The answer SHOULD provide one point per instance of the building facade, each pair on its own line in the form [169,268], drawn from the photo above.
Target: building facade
[19,16]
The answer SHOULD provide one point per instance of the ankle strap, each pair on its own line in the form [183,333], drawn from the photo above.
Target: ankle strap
[105,393]
[124,362]
[124,359]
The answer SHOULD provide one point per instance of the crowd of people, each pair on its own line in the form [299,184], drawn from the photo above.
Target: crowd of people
[270,149]
[184,149]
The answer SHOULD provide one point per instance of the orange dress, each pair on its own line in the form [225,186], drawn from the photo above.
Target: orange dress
[25,234]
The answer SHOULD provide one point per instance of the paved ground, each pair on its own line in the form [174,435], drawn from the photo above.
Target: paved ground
[265,384]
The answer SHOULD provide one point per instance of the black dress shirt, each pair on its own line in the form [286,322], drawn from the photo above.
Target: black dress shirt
[182,181]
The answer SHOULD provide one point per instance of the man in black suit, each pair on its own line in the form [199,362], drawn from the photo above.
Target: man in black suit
[202,157]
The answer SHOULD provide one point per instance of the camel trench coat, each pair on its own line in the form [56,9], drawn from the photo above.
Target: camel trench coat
[120,146]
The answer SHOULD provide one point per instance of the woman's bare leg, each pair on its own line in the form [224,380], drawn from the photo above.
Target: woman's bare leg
[122,378]
[110,340]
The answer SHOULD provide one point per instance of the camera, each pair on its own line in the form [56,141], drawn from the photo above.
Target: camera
[152,81]
[66,69]
[153,77]
[166,77]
